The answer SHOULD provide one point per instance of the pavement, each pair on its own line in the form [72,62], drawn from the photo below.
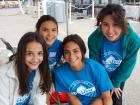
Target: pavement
[13,25]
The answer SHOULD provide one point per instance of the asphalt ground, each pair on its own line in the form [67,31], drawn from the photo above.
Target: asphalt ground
[13,25]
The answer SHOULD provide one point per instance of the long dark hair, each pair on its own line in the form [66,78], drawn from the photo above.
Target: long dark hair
[76,39]
[21,67]
[118,14]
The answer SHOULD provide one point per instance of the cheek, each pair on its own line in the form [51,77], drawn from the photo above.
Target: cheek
[103,29]
[118,32]
[42,33]
[41,59]
[66,58]
[28,59]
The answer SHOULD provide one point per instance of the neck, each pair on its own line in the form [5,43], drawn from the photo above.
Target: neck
[78,67]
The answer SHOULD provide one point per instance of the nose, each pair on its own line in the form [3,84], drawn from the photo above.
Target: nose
[35,58]
[110,30]
[71,54]
[49,33]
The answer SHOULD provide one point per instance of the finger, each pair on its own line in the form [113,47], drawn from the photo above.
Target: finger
[112,92]
[120,90]
[117,94]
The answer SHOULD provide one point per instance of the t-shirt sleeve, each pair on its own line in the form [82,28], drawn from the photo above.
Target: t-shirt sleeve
[59,82]
[105,83]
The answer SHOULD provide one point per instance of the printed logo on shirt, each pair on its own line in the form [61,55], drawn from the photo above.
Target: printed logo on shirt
[23,100]
[52,54]
[52,63]
[84,88]
[111,60]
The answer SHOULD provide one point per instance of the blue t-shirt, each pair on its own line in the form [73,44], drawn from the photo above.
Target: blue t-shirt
[25,99]
[54,54]
[86,84]
[111,55]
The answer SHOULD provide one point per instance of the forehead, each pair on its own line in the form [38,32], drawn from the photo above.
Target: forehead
[34,46]
[49,24]
[108,19]
[71,45]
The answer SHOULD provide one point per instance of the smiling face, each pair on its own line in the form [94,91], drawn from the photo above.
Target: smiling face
[33,55]
[49,31]
[110,29]
[73,55]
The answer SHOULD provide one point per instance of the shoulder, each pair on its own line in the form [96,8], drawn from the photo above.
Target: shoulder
[93,64]
[58,42]
[133,37]
[95,37]
[56,45]
[4,68]
[97,33]
[8,69]
[62,68]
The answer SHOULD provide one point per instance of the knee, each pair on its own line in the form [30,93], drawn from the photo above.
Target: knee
[98,101]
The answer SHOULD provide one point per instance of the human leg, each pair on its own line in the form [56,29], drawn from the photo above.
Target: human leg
[115,99]
[98,101]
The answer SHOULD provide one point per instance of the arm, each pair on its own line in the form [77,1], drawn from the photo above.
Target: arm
[4,87]
[106,97]
[74,100]
[127,65]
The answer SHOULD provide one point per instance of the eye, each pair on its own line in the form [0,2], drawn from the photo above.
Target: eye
[116,25]
[104,24]
[29,54]
[46,30]
[76,51]
[66,52]
[54,30]
[40,53]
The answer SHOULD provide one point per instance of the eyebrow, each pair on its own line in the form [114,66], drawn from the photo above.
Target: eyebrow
[33,51]
[72,49]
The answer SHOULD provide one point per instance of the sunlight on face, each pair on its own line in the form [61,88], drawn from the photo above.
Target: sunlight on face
[33,55]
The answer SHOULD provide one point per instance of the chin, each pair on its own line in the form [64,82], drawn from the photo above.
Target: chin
[34,68]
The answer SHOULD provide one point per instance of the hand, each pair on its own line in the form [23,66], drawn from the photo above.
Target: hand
[117,91]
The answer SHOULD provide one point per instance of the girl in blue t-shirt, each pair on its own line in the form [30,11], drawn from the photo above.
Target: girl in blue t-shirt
[85,80]
[47,27]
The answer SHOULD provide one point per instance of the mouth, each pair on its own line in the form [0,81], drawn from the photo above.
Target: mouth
[111,35]
[73,61]
[33,64]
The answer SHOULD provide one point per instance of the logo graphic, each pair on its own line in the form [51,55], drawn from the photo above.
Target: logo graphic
[111,60]
[52,60]
[84,88]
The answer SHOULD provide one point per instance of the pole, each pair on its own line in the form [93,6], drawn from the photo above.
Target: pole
[38,9]
[44,7]
[67,25]
[20,7]
[93,9]
[70,13]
